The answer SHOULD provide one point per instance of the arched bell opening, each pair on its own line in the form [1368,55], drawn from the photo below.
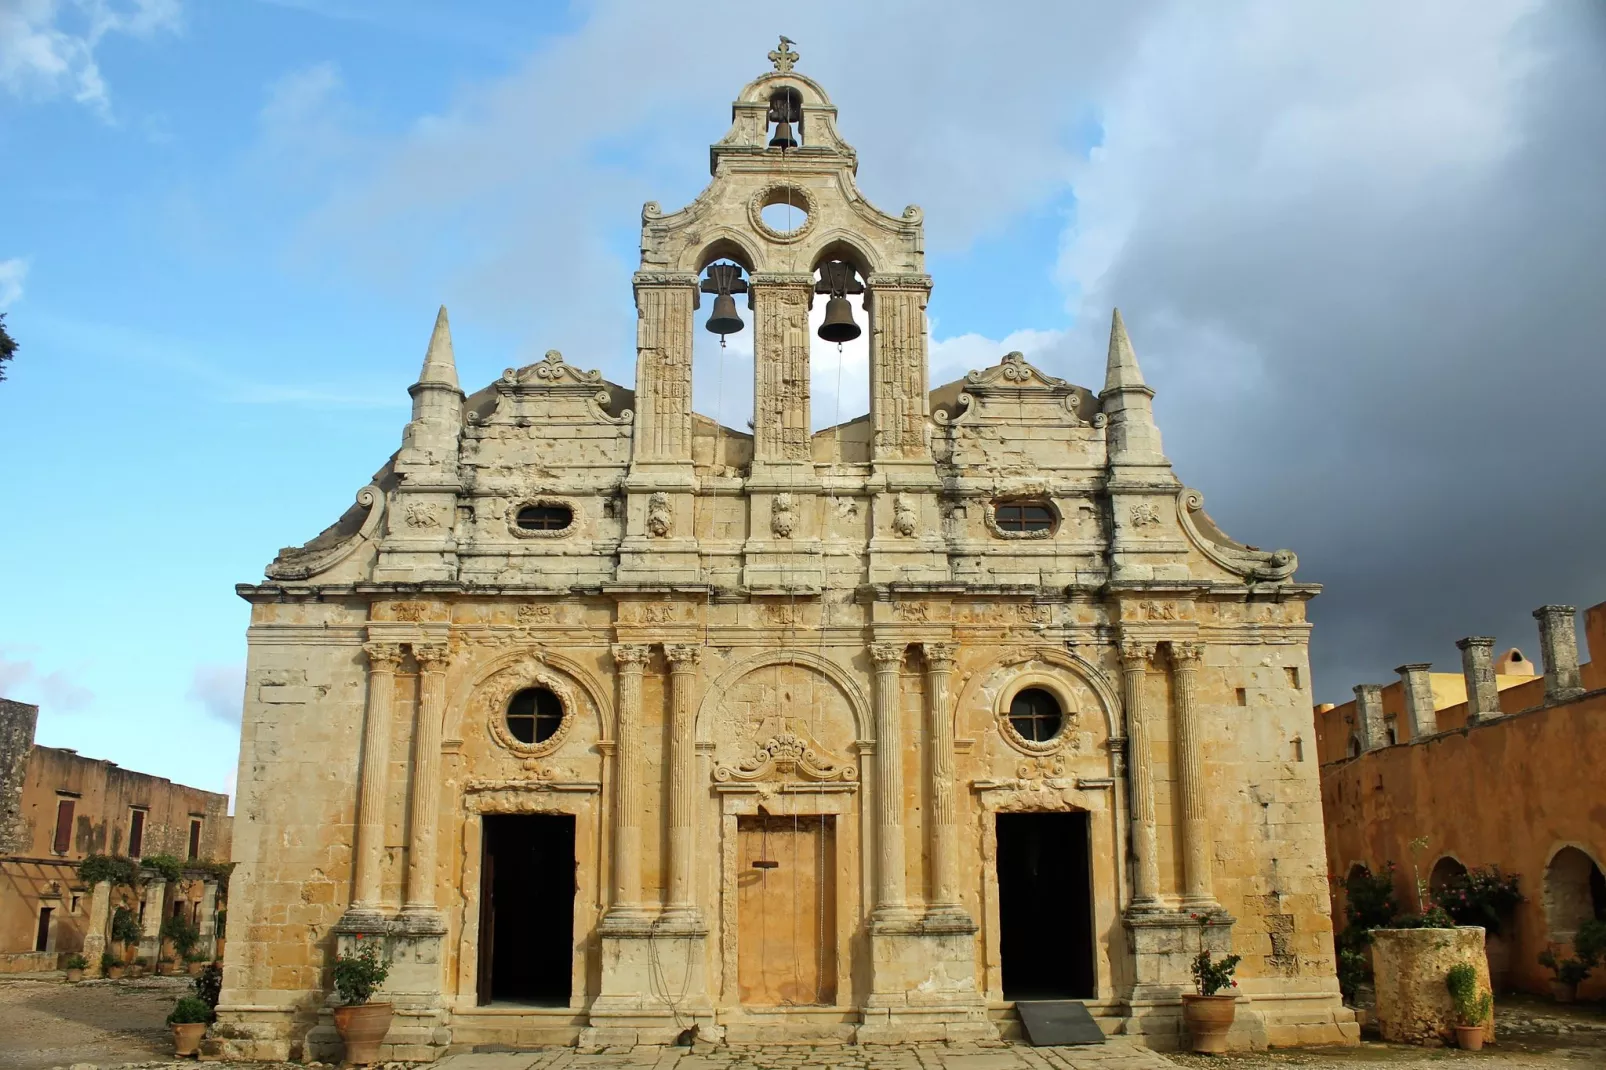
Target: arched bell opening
[839,347]
[785,119]
[722,340]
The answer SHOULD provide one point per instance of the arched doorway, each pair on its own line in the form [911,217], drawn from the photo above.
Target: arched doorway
[1575,892]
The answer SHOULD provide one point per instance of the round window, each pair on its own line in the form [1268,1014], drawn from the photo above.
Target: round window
[1035,715]
[544,517]
[534,714]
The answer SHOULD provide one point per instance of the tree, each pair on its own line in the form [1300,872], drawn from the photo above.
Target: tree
[8,346]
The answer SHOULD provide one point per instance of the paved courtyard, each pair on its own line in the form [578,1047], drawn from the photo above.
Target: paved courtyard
[46,1024]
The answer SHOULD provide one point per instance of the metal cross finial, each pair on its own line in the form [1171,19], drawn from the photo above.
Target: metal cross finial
[783,57]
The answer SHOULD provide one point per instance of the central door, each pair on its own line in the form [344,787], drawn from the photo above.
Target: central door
[527,887]
[786,911]
[1045,906]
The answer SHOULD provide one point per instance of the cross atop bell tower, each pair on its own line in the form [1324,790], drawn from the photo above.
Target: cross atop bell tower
[783,148]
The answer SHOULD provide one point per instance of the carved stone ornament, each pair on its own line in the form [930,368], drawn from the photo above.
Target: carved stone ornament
[658,517]
[683,657]
[432,657]
[383,657]
[1015,382]
[1143,514]
[498,691]
[420,515]
[990,515]
[782,518]
[793,193]
[904,521]
[1136,655]
[304,562]
[887,654]
[1070,716]
[630,655]
[1251,563]
[552,375]
[543,533]
[785,756]
[782,55]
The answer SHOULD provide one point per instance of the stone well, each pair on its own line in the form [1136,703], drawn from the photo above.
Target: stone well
[1409,968]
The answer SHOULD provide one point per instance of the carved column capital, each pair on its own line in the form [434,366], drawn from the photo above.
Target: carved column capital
[898,281]
[383,657]
[1186,654]
[683,657]
[940,656]
[887,655]
[782,278]
[1136,655]
[1476,642]
[630,655]
[432,657]
[687,279]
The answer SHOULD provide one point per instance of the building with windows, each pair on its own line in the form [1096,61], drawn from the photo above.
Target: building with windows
[1495,765]
[56,808]
[616,724]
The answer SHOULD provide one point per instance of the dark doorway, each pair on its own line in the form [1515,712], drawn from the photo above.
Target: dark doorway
[1045,906]
[41,939]
[527,909]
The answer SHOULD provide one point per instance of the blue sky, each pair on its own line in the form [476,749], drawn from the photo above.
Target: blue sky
[225,228]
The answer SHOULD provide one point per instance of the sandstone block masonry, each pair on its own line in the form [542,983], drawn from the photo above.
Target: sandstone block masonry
[613,723]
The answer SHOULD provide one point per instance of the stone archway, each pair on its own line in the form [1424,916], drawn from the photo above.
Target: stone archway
[1575,892]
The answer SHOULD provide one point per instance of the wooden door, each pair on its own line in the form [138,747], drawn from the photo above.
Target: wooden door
[786,911]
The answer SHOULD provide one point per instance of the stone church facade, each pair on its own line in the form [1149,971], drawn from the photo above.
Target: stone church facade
[613,723]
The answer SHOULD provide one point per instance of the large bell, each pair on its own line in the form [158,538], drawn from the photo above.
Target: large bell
[724,319]
[839,326]
[783,138]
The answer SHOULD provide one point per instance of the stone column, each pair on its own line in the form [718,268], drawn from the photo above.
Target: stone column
[150,943]
[781,367]
[899,401]
[206,917]
[1369,716]
[1477,668]
[627,809]
[1558,644]
[943,820]
[1140,773]
[664,324]
[683,786]
[100,908]
[426,787]
[383,661]
[1421,718]
[891,898]
[1196,837]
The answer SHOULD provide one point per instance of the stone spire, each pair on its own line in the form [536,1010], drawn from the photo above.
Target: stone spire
[1127,402]
[1121,369]
[440,367]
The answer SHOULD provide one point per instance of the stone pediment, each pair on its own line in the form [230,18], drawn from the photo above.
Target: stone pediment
[552,389]
[1018,391]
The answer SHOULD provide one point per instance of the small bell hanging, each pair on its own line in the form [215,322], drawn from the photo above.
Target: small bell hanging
[724,280]
[838,280]
[786,108]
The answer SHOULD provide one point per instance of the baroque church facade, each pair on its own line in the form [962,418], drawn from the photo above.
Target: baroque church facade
[615,725]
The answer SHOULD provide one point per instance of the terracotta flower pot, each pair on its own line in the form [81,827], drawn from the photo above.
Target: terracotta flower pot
[195,968]
[187,1037]
[74,976]
[114,972]
[1208,1018]
[1563,992]
[363,1027]
[1469,1037]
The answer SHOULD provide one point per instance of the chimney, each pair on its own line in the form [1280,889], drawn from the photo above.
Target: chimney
[1421,720]
[1558,645]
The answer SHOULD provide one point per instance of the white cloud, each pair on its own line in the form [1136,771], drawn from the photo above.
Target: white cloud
[12,274]
[220,690]
[47,47]
[21,679]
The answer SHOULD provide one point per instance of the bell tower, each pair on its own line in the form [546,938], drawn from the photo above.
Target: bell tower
[783,148]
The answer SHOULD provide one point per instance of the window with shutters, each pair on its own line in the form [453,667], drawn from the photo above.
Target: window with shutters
[64,814]
[136,833]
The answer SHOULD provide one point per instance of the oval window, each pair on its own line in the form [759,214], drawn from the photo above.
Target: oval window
[1023,516]
[1035,715]
[534,714]
[544,517]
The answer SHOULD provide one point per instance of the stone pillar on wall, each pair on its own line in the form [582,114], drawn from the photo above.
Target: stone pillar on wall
[1140,774]
[1196,834]
[1420,717]
[150,941]
[1369,720]
[943,821]
[1558,645]
[95,936]
[206,918]
[424,804]
[630,660]
[891,895]
[367,855]
[1477,667]
[682,908]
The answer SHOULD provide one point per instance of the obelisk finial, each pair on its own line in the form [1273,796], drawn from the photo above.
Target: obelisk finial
[783,57]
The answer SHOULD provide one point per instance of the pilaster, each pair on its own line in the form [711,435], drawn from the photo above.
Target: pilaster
[626,910]
[1369,716]
[425,798]
[1135,658]
[384,659]
[100,905]
[1477,669]
[1421,719]
[1558,645]
[150,941]
[682,909]
[1197,894]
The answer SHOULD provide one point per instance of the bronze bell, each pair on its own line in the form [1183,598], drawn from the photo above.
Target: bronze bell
[783,138]
[839,326]
[724,319]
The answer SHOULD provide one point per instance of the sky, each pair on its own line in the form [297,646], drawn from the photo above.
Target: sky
[1358,248]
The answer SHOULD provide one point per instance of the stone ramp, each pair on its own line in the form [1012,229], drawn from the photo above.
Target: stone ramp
[1117,1053]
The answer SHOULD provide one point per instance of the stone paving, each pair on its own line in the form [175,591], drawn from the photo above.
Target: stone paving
[1116,1054]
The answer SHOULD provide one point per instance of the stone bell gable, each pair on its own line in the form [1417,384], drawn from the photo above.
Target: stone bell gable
[611,722]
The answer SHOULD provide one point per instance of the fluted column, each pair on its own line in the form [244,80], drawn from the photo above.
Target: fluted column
[426,787]
[383,661]
[682,781]
[664,326]
[943,821]
[890,894]
[1140,774]
[630,661]
[781,367]
[899,401]
[1196,838]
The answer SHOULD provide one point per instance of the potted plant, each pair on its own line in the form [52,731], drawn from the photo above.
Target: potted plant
[1208,1013]
[125,931]
[139,967]
[188,1019]
[1472,1007]
[164,967]
[195,961]
[183,934]
[111,965]
[75,967]
[1589,943]
[361,1024]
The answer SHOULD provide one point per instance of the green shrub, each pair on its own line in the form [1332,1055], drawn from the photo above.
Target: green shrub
[183,932]
[166,866]
[208,985]
[1352,972]
[1369,901]
[1483,896]
[125,926]
[189,1011]
[1589,942]
[120,871]
[1471,1007]
[356,976]
[76,962]
[108,960]
[1432,918]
